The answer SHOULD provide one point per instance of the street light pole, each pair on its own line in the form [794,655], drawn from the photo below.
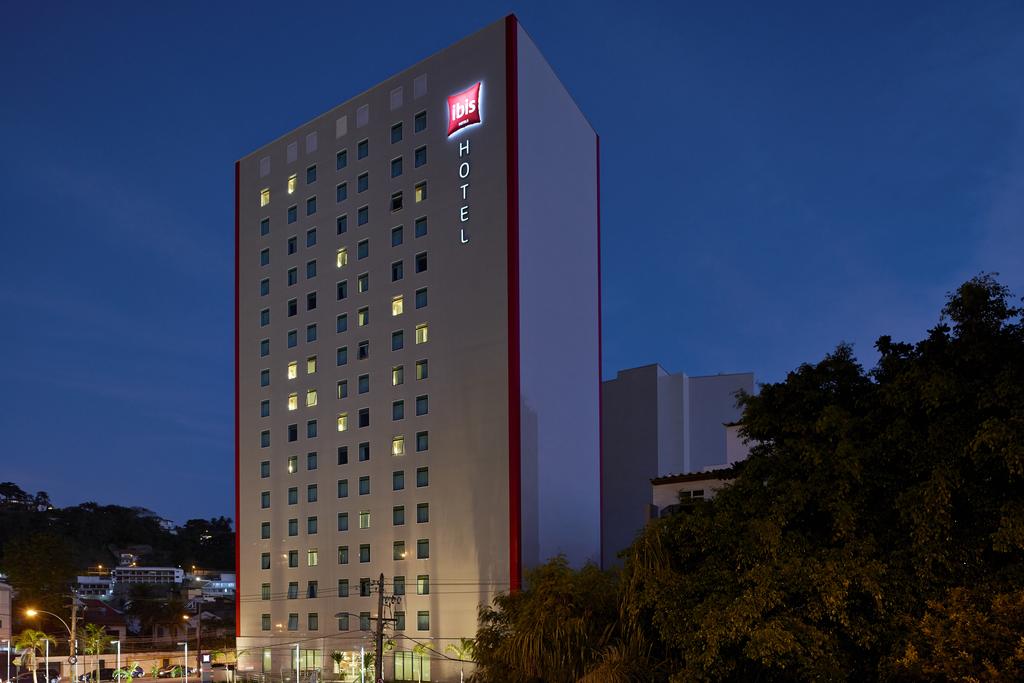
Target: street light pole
[47,660]
[118,643]
[8,650]
[186,659]
[72,645]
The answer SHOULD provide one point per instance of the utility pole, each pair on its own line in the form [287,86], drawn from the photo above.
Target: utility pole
[73,645]
[379,660]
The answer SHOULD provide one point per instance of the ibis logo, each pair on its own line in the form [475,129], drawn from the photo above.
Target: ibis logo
[463,109]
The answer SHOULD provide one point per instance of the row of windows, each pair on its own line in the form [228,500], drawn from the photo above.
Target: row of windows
[313,554]
[365,588]
[312,495]
[313,622]
[397,517]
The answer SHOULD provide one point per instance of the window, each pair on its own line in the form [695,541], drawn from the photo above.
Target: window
[421,298]
[364,451]
[363,149]
[419,123]
[400,624]
[341,160]
[398,410]
[363,215]
[396,305]
[311,429]
[399,585]
[398,550]
[396,271]
[313,557]
[421,441]
[292,182]
[421,227]
[311,237]
[293,369]
[293,622]
[293,527]
[342,588]
[264,196]
[363,249]
[311,460]
[364,552]
[342,521]
[364,486]
[311,301]
[364,417]
[423,584]
[342,422]
[363,283]
[265,595]
[422,477]
[342,290]
[363,182]
[293,276]
[398,445]
[421,262]
[341,323]
[343,455]
[264,317]
[363,350]
[341,193]
[342,224]
[398,515]
[312,619]
[396,167]
[311,175]
[311,525]
[310,269]
[342,554]
[396,133]
[343,622]
[265,618]
[265,438]
[311,203]
[396,236]
[364,620]
[342,355]
[264,499]
[265,286]
[397,340]
[264,227]
[397,376]
[293,307]
[293,495]
[343,487]
[264,469]
[364,519]
[421,405]
[311,365]
[264,257]
[342,388]
[293,338]
[363,316]
[421,192]
[264,378]
[421,369]
[264,560]
[293,245]
[311,490]
[422,549]
[422,513]
[396,201]
[311,335]
[423,620]
[293,558]
[293,464]
[363,384]
[397,481]
[311,398]
[265,408]
[293,214]
[421,156]
[264,347]
[421,334]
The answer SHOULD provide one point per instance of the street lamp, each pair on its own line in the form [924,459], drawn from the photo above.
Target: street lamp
[186,659]
[73,659]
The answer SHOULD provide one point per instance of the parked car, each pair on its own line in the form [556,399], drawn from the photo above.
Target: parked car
[174,671]
[105,675]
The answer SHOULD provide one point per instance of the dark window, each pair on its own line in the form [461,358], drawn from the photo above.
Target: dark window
[422,477]
[342,323]
[421,262]
[396,167]
[311,206]
[342,455]
[363,249]
[421,405]
[422,441]
[364,451]
[363,217]
[396,236]
[363,384]
[264,227]
[342,289]
[363,182]
[363,149]
[397,410]
[311,237]
[364,486]
[264,317]
[311,174]
[293,276]
[311,333]
[364,417]
[293,338]
[396,201]
[311,301]
[342,224]
[343,488]
[310,269]
[421,226]
[363,350]
[421,156]
[311,429]
[342,358]
[341,193]
[421,298]
[264,257]
[398,516]
[396,271]
[420,122]
[396,133]
[397,340]
[293,214]
[397,482]
[264,286]
[293,432]
[422,513]
[341,159]
[293,307]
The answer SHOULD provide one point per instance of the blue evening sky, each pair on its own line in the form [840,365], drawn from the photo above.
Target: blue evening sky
[777,178]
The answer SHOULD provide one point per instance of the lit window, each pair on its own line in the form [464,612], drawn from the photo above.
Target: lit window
[396,305]
[292,181]
[342,257]
[421,369]
[311,365]
[312,557]
[293,369]
[398,445]
[423,584]
[310,398]
[363,283]
[421,192]
[293,401]
[397,375]
[421,334]
[364,519]
[342,422]
[264,196]
[293,464]
[363,316]
[398,550]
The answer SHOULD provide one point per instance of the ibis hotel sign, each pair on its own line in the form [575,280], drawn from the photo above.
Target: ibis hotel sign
[463,112]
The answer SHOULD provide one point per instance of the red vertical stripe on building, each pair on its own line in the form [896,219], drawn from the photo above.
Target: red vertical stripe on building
[600,363]
[512,219]
[238,546]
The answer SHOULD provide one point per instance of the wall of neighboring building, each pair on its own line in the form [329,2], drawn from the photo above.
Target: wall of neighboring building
[711,406]
[5,612]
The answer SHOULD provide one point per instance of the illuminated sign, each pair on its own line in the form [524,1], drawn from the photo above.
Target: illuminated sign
[463,109]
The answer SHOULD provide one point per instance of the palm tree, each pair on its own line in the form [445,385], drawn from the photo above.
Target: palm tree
[96,641]
[462,651]
[30,641]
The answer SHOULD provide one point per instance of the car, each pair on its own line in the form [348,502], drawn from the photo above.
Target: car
[105,675]
[174,671]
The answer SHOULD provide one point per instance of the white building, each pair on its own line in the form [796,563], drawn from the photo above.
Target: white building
[418,358]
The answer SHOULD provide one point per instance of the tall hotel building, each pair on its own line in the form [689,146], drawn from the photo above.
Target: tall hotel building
[418,354]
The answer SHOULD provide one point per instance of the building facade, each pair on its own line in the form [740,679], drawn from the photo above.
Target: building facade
[655,424]
[418,355]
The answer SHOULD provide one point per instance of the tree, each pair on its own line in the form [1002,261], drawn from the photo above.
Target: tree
[31,642]
[39,566]
[95,640]
[462,651]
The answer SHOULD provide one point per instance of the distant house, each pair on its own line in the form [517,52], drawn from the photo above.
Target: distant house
[677,492]
[113,621]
